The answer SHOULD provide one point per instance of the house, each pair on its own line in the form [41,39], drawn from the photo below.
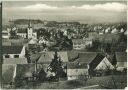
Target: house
[22,32]
[121,30]
[121,58]
[114,31]
[5,34]
[46,57]
[80,44]
[74,71]
[88,41]
[94,61]
[42,40]
[107,30]
[14,55]
[100,62]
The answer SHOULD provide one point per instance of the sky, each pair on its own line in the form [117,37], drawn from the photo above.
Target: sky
[81,11]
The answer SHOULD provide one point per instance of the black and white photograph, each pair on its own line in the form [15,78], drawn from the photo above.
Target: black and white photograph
[64,44]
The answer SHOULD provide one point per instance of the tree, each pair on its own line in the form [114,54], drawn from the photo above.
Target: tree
[56,66]
[42,75]
[114,61]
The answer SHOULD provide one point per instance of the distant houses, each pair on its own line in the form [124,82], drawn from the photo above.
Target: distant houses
[14,32]
[80,44]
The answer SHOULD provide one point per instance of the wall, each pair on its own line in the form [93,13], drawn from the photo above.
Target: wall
[104,64]
[121,65]
[21,55]
[75,73]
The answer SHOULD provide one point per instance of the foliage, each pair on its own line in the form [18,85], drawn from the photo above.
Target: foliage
[56,66]
[42,75]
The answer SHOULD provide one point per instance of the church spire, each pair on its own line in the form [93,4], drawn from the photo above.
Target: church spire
[29,24]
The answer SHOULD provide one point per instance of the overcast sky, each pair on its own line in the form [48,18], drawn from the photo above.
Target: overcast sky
[82,11]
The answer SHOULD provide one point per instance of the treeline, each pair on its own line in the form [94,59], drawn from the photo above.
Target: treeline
[26,21]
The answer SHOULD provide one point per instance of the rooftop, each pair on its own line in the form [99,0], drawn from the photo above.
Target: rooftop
[12,49]
[48,56]
[86,57]
[121,56]
[22,30]
[75,65]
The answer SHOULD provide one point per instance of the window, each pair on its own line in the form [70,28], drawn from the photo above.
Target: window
[16,56]
[7,56]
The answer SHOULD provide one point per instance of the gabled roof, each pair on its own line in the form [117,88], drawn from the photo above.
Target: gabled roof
[35,57]
[121,56]
[75,65]
[22,30]
[99,57]
[12,49]
[72,55]
[86,57]
[15,61]
[48,56]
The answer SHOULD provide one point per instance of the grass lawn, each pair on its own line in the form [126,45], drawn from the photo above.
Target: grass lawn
[107,82]
[104,82]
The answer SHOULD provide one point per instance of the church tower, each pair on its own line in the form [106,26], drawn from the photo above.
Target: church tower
[30,30]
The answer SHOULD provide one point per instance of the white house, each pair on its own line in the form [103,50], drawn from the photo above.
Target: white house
[22,32]
[5,34]
[74,71]
[122,30]
[107,30]
[114,31]
[14,55]
[86,63]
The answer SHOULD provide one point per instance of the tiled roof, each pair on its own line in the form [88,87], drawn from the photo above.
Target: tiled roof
[12,49]
[86,57]
[35,57]
[72,55]
[99,57]
[48,56]
[75,65]
[121,56]
[22,30]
